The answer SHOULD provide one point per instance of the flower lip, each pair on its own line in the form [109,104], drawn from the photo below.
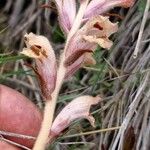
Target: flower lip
[34,48]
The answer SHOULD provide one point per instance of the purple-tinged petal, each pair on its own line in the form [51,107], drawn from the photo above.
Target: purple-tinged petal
[85,60]
[78,108]
[97,7]
[96,31]
[39,47]
[66,13]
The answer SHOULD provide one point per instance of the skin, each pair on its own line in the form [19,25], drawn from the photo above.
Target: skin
[7,146]
[18,115]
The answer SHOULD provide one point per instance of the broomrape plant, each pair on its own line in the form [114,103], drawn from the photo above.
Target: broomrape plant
[84,29]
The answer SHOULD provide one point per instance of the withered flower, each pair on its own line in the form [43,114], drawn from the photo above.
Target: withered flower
[39,48]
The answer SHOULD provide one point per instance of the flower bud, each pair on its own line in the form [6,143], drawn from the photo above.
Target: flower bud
[66,13]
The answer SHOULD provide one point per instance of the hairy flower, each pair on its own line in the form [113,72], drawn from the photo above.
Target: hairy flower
[97,7]
[96,31]
[66,13]
[38,47]
[78,108]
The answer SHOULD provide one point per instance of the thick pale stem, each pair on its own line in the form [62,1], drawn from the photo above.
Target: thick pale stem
[51,104]
[78,20]
[49,113]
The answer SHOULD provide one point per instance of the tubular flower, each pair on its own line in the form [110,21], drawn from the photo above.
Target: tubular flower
[77,108]
[97,7]
[38,47]
[96,31]
[66,13]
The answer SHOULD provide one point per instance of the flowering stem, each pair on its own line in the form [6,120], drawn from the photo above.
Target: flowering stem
[49,113]
[51,103]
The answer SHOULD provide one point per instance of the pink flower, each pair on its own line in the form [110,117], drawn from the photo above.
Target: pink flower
[39,47]
[77,108]
[96,31]
[66,13]
[97,7]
